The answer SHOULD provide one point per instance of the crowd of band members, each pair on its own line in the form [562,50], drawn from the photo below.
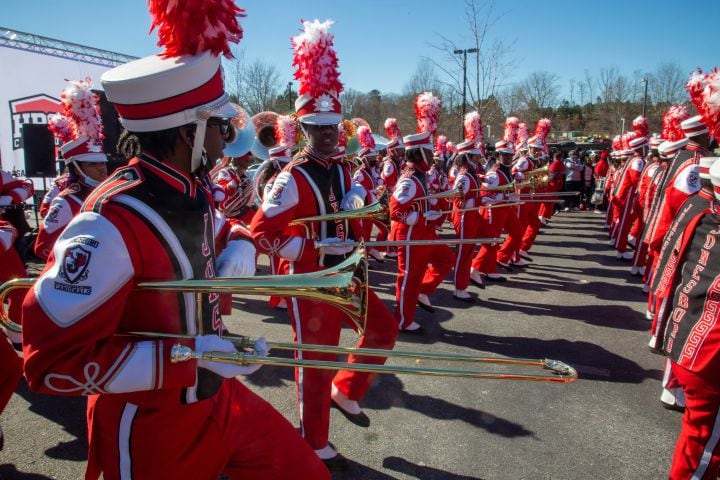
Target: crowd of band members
[657,192]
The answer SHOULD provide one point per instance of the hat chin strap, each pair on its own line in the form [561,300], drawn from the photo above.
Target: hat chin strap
[198,158]
[90,182]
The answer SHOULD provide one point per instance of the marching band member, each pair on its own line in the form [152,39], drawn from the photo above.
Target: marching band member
[365,177]
[688,287]
[626,192]
[317,183]
[642,205]
[80,130]
[392,164]
[416,280]
[520,167]
[150,417]
[536,146]
[556,180]
[467,224]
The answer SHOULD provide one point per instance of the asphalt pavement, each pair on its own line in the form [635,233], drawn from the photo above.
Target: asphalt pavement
[575,303]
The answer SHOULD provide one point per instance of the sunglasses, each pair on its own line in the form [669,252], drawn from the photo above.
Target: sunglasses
[222,123]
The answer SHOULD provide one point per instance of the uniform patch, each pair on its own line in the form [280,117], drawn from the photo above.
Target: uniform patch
[75,264]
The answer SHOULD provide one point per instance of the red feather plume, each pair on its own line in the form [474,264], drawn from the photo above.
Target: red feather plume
[364,135]
[474,128]
[671,129]
[511,129]
[640,125]
[315,59]
[427,111]
[542,128]
[191,27]
[392,129]
[441,145]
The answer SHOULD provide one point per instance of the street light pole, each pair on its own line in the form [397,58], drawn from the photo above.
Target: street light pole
[645,81]
[464,53]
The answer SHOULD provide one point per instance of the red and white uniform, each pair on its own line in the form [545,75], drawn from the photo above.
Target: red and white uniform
[14,191]
[309,186]
[10,267]
[533,216]
[62,209]
[414,274]
[147,222]
[58,185]
[626,194]
[556,180]
[646,192]
[502,219]
[690,285]
[467,224]
[365,177]
[390,172]
[526,210]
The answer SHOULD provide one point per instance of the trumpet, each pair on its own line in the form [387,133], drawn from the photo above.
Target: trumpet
[343,286]
[376,211]
[452,193]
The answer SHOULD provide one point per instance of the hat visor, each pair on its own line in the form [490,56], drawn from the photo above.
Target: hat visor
[322,118]
[226,110]
[88,157]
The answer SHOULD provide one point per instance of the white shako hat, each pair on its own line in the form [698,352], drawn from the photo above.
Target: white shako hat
[280,153]
[316,69]
[705,164]
[83,149]
[655,142]
[468,147]
[637,143]
[504,146]
[693,126]
[669,149]
[184,83]
[715,179]
[418,140]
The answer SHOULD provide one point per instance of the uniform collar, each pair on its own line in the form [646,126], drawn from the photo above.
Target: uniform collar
[177,179]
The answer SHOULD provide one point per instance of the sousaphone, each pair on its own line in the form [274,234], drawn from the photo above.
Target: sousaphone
[264,134]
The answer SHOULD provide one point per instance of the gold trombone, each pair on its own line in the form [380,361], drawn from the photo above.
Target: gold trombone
[344,286]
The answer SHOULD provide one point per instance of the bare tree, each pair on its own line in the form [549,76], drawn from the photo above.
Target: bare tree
[255,84]
[424,79]
[539,90]
[667,84]
[487,68]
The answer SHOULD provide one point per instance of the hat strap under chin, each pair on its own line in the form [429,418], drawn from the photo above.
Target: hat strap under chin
[196,160]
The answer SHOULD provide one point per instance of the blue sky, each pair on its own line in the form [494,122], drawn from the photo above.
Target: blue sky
[379,43]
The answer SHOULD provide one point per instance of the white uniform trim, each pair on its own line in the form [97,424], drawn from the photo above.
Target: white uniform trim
[708,450]
[404,282]
[301,371]
[124,433]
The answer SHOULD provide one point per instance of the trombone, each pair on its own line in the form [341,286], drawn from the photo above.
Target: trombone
[343,286]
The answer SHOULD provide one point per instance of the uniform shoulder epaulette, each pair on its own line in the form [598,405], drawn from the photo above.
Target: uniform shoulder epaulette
[120,181]
[296,161]
[71,189]
[407,172]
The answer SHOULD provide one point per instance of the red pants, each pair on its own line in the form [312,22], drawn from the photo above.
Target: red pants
[10,371]
[514,233]
[626,218]
[235,432]
[533,226]
[547,209]
[697,451]
[641,253]
[639,224]
[416,277]
[320,323]
[486,259]
[467,225]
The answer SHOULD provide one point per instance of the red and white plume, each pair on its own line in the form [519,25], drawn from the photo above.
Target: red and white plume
[474,129]
[451,148]
[364,135]
[315,59]
[522,135]
[342,136]
[640,126]
[286,129]
[61,127]
[711,96]
[542,128]
[441,146]
[617,143]
[81,108]
[511,129]
[695,87]
[191,27]
[427,111]
[392,129]
[626,140]
[671,129]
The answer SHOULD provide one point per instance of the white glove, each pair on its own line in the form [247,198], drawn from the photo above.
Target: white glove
[338,250]
[431,215]
[353,199]
[5,200]
[213,343]
[237,259]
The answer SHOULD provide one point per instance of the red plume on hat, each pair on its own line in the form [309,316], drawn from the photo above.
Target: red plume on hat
[474,128]
[640,126]
[286,129]
[315,59]
[441,146]
[671,129]
[712,103]
[511,129]
[542,128]
[451,148]
[617,143]
[626,140]
[695,87]
[365,138]
[392,129]
[194,26]
[82,113]
[342,136]
[522,135]
[61,127]
[427,111]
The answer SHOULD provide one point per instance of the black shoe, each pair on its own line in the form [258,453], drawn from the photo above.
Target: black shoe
[496,279]
[526,257]
[338,463]
[505,266]
[359,419]
[464,300]
[418,331]
[427,308]
[480,285]
[672,406]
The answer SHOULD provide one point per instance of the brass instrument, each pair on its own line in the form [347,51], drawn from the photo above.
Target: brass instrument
[344,286]
[403,243]
[478,208]
[376,211]
[503,188]
[452,193]
[537,172]
[264,123]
